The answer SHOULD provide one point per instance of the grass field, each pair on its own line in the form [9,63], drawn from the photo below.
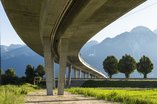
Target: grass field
[125,96]
[11,94]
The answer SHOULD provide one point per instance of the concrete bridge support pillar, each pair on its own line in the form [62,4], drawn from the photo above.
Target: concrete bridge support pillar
[91,76]
[84,75]
[79,74]
[69,76]
[54,78]
[74,72]
[94,76]
[88,75]
[63,50]
[49,65]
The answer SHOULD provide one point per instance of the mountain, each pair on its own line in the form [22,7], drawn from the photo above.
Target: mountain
[155,31]
[139,41]
[17,57]
[88,47]
[4,48]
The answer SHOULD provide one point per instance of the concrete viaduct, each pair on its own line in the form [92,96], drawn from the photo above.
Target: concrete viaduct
[57,29]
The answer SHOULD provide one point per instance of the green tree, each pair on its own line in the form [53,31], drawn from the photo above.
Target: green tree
[40,70]
[0,76]
[110,65]
[127,65]
[0,71]
[10,72]
[144,66]
[30,73]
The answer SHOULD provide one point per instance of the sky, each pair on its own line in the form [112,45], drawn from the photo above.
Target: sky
[143,15]
[8,34]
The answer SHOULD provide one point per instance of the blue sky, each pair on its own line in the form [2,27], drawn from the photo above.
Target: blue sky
[143,15]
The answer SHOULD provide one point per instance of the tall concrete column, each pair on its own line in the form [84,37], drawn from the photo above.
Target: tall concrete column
[84,75]
[88,75]
[91,76]
[94,76]
[54,78]
[63,50]
[65,79]
[74,72]
[79,74]
[69,76]
[49,65]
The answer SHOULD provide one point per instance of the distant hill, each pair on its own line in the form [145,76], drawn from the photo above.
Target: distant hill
[140,41]
[17,57]
[5,49]
[155,31]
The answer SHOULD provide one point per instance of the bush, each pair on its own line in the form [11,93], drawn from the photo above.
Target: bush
[135,84]
[12,80]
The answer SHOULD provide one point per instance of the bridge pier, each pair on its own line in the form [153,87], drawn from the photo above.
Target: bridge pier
[84,75]
[74,72]
[88,75]
[69,76]
[49,66]
[79,74]
[63,50]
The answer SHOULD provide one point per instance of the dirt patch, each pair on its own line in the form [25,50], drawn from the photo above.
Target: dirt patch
[68,98]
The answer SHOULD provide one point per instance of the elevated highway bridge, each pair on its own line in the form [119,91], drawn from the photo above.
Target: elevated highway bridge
[57,29]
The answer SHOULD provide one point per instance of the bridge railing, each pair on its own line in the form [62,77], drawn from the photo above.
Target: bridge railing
[89,66]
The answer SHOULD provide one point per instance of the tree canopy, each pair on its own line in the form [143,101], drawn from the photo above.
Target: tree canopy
[110,65]
[10,72]
[144,66]
[127,65]
[40,70]
[30,73]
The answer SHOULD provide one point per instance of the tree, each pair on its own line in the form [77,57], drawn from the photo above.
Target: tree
[40,70]
[144,66]
[10,72]
[30,73]
[127,65]
[0,71]
[110,65]
[0,76]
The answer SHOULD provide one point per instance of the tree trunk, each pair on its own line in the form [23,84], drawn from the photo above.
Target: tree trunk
[145,75]
[110,76]
[127,76]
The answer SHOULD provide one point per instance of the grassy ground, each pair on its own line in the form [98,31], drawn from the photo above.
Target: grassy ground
[125,96]
[11,94]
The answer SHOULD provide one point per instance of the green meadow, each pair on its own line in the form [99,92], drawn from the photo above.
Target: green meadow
[122,95]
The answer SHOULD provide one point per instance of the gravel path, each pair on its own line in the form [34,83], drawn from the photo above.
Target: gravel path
[41,98]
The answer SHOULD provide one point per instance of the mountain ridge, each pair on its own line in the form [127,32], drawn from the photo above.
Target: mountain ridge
[138,42]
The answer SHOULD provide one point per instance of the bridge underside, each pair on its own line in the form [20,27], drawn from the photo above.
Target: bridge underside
[57,29]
